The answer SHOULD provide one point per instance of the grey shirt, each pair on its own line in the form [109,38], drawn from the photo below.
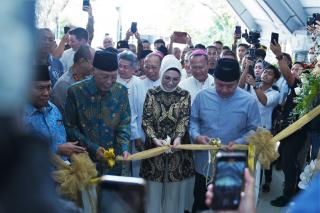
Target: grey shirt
[59,94]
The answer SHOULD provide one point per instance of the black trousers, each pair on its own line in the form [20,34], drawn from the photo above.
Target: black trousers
[268,172]
[290,150]
[200,190]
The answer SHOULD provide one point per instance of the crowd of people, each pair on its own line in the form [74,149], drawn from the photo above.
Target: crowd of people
[132,97]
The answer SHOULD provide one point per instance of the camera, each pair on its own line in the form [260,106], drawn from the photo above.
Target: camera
[237,32]
[85,5]
[312,20]
[228,181]
[133,28]
[121,194]
[252,38]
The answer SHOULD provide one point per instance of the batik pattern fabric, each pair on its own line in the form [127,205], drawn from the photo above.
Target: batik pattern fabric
[97,119]
[55,69]
[46,122]
[167,114]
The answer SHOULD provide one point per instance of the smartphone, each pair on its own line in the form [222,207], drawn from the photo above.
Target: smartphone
[85,5]
[237,32]
[121,194]
[180,37]
[133,27]
[66,29]
[229,179]
[274,37]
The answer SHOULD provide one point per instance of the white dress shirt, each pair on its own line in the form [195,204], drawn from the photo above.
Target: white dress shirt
[127,82]
[67,59]
[284,89]
[193,86]
[137,96]
[273,97]
[184,75]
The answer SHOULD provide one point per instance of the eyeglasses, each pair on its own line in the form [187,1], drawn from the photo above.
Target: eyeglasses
[153,67]
[124,66]
[197,67]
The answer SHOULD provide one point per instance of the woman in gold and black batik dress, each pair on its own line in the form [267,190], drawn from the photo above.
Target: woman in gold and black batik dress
[170,176]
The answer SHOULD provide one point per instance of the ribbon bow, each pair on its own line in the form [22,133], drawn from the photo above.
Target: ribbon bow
[110,157]
[215,142]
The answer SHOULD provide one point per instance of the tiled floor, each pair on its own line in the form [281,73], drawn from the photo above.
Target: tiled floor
[275,191]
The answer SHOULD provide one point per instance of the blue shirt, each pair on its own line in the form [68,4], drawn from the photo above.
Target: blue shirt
[55,68]
[308,200]
[229,119]
[48,123]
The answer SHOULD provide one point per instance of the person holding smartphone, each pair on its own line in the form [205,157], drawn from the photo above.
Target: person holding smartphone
[247,202]
[290,147]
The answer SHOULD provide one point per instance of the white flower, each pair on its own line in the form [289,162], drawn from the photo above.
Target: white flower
[309,172]
[297,90]
[316,69]
[304,78]
[167,142]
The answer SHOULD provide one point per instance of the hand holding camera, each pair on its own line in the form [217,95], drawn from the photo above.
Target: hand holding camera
[172,38]
[137,35]
[128,35]
[65,38]
[250,80]
[86,5]
[189,40]
[247,202]
[276,49]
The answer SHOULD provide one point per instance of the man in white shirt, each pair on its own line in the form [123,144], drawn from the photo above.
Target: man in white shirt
[267,96]
[77,38]
[128,64]
[200,78]
[137,96]
[186,71]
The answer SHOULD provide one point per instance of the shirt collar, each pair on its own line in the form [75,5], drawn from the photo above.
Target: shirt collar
[153,83]
[235,94]
[50,59]
[93,88]
[30,109]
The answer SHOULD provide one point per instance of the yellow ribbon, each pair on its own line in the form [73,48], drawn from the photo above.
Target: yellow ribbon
[296,125]
[194,147]
[262,144]
[251,154]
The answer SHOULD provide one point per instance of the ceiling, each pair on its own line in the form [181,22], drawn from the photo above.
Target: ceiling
[283,16]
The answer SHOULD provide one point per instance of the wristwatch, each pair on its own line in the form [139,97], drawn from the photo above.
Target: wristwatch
[279,57]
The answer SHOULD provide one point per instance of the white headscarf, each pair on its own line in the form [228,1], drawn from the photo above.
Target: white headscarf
[168,62]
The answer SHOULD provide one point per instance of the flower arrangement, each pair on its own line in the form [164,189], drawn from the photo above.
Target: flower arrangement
[310,91]
[309,172]
[310,79]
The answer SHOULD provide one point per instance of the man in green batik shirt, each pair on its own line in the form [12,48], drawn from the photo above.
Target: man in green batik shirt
[97,112]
